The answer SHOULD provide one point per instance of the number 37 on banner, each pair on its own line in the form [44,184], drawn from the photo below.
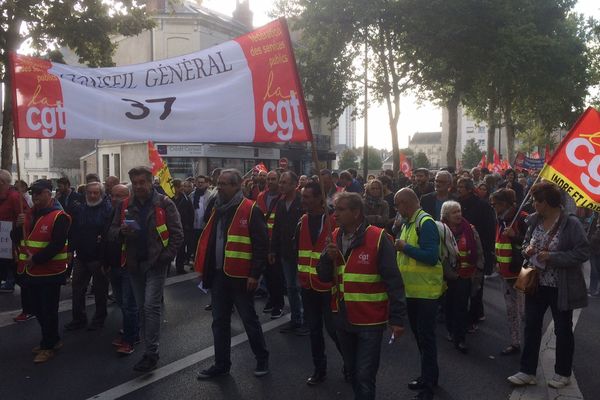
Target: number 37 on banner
[143,111]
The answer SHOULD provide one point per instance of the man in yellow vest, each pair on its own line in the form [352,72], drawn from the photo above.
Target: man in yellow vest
[419,262]
[231,256]
[43,262]
[368,291]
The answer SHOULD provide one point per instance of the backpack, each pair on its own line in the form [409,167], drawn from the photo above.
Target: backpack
[448,248]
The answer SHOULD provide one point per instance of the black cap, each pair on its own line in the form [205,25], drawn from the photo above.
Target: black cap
[424,170]
[39,186]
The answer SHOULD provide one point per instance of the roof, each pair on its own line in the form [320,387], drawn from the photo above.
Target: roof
[190,7]
[426,138]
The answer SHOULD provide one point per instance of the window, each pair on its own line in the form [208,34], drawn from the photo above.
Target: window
[470,129]
[85,168]
[38,152]
[481,142]
[26,148]
[105,166]
[482,129]
[117,165]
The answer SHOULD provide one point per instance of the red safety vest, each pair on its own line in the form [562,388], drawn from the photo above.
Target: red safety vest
[160,217]
[309,255]
[359,283]
[261,201]
[465,268]
[39,238]
[238,248]
[504,251]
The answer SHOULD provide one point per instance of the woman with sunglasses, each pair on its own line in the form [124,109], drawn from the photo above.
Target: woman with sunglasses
[556,245]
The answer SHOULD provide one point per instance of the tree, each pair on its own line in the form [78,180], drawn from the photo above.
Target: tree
[86,26]
[374,161]
[348,159]
[421,161]
[471,155]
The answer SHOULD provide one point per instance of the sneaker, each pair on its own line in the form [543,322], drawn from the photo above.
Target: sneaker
[23,317]
[276,313]
[262,368]
[302,330]
[268,308]
[43,356]
[559,381]
[118,341]
[59,345]
[125,349]
[146,364]
[7,288]
[75,325]
[522,379]
[212,372]
[208,307]
[473,328]
[316,378]
[290,327]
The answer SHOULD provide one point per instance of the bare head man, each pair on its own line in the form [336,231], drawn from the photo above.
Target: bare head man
[406,202]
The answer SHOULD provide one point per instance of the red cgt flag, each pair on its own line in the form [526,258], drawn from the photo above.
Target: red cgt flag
[405,166]
[160,170]
[575,164]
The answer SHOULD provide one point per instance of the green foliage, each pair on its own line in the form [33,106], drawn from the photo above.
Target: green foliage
[421,161]
[375,161]
[85,26]
[471,155]
[348,159]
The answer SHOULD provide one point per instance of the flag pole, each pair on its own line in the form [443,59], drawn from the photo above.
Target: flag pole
[526,198]
[19,178]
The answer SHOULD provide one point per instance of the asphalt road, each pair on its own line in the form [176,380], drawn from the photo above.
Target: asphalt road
[87,366]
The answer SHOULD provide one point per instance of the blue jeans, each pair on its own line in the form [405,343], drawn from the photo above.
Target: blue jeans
[123,293]
[361,352]
[422,315]
[317,313]
[148,291]
[225,293]
[290,272]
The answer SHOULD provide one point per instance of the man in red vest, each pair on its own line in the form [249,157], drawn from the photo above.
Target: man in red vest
[231,256]
[368,291]
[149,228]
[43,262]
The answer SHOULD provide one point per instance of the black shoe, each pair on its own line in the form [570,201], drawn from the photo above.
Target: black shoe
[290,327]
[416,384]
[347,375]
[146,364]
[316,378]
[424,395]
[75,325]
[262,368]
[302,330]
[276,313]
[212,372]
[208,307]
[462,347]
[268,308]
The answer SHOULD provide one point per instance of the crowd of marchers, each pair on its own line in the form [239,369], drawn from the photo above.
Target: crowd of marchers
[354,258]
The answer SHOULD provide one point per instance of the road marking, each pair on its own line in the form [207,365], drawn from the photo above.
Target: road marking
[542,391]
[176,366]
[6,317]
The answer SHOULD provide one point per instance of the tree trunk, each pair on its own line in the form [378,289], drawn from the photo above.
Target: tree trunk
[491,133]
[452,106]
[12,36]
[510,131]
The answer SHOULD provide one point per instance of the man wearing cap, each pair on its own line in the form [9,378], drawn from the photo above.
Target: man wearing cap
[150,232]
[43,262]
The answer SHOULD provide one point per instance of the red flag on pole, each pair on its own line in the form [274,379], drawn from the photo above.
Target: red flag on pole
[575,163]
[497,167]
[547,153]
[483,162]
[405,166]
[160,170]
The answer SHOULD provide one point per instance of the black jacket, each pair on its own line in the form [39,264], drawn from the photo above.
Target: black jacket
[390,274]
[88,225]
[428,204]
[481,215]
[186,211]
[284,228]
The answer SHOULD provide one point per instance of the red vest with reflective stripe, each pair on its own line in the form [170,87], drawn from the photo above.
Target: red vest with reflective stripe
[309,255]
[261,201]
[160,217]
[359,283]
[504,254]
[39,238]
[238,248]
[464,269]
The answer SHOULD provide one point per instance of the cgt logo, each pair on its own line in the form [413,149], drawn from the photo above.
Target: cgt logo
[243,221]
[363,258]
[591,179]
[47,119]
[282,117]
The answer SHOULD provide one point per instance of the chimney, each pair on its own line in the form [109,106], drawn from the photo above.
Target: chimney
[242,13]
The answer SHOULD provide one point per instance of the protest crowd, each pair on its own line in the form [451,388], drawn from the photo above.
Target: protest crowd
[364,260]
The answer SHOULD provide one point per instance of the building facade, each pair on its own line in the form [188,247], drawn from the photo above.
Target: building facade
[429,143]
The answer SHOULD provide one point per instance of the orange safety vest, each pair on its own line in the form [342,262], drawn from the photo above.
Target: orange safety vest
[160,217]
[309,255]
[39,238]
[359,283]
[238,248]
[465,268]
[261,201]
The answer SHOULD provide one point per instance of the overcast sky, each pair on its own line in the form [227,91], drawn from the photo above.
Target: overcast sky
[414,117]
